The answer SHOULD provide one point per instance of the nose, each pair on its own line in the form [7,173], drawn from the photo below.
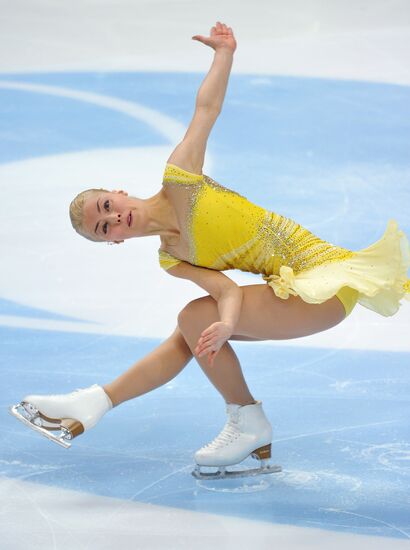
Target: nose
[114,217]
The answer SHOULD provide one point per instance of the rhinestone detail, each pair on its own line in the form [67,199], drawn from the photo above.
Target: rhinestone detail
[277,240]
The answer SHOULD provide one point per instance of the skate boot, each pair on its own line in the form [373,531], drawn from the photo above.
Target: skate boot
[69,414]
[247,432]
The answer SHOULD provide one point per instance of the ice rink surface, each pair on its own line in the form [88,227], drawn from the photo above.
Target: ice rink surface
[315,126]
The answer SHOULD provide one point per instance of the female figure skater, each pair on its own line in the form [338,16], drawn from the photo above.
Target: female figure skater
[204,229]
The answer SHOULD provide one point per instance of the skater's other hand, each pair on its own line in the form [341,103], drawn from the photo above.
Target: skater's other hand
[212,339]
[221,37]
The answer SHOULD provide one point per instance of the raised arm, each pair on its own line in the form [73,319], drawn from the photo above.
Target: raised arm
[212,91]
[190,153]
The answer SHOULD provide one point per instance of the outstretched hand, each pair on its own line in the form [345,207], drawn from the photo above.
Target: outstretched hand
[220,37]
[212,339]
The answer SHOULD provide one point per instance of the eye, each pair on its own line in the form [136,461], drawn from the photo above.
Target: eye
[105,228]
[107,205]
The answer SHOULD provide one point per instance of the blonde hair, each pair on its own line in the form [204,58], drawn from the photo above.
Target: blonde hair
[77,212]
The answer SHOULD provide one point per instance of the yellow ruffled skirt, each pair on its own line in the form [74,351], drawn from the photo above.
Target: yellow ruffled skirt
[378,273]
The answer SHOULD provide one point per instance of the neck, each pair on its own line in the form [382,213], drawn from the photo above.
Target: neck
[160,216]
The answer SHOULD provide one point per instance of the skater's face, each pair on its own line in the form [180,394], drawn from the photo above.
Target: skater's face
[111,216]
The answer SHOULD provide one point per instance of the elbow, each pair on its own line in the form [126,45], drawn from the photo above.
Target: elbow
[212,108]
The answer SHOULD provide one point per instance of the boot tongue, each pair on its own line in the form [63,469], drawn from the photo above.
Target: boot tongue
[232,410]
[232,407]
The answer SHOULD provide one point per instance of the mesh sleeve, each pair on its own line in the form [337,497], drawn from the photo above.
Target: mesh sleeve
[166,261]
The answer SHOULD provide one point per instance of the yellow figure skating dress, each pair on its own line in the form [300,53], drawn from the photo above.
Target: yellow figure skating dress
[221,229]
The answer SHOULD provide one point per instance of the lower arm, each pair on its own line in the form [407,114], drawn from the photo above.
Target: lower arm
[213,88]
[229,305]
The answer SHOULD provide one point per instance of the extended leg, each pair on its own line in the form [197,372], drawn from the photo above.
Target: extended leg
[155,369]
[64,417]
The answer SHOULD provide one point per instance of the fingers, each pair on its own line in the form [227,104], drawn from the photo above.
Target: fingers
[204,347]
[205,351]
[210,355]
[221,28]
[210,338]
[205,340]
[200,351]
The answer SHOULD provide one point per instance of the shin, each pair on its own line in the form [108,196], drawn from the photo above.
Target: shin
[155,369]
[226,373]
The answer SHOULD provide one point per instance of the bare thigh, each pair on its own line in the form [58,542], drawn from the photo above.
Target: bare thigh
[264,316]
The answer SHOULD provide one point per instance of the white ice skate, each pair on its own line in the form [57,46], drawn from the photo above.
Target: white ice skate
[70,414]
[247,432]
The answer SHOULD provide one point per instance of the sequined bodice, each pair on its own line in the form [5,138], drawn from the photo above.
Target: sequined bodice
[221,229]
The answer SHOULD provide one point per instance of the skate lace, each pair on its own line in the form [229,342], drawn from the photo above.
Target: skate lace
[229,433]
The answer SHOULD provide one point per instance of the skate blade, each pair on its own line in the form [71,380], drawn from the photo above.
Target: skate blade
[27,420]
[230,474]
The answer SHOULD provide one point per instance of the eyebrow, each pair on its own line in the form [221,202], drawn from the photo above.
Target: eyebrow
[98,208]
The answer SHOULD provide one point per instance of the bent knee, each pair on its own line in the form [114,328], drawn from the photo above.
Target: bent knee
[197,310]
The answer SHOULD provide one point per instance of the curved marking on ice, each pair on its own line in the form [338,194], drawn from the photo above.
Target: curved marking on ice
[344,428]
[51,258]
[163,124]
[405,533]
